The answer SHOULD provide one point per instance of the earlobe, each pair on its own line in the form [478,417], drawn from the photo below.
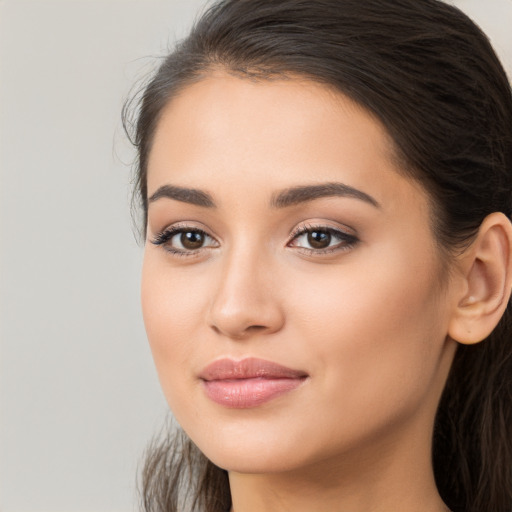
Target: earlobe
[487,274]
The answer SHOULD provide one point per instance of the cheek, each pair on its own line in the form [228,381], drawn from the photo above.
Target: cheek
[172,310]
[377,333]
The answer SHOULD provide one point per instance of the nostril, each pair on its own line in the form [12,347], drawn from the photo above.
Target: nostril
[242,333]
[216,329]
[255,328]
[242,317]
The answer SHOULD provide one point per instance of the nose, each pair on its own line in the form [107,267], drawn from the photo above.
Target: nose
[245,302]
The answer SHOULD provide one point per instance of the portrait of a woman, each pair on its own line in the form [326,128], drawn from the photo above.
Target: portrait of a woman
[326,192]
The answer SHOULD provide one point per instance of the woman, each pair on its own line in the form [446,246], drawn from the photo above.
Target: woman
[326,188]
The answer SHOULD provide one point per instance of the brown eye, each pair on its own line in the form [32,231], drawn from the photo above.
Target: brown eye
[184,241]
[319,239]
[192,240]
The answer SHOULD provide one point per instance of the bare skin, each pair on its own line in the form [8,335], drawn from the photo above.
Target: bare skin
[343,283]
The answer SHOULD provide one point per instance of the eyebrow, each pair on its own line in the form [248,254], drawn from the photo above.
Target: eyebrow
[301,194]
[285,198]
[185,195]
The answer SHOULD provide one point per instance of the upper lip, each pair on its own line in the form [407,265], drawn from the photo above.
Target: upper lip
[249,368]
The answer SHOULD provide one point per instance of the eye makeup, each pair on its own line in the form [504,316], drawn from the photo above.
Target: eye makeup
[312,239]
[321,239]
[183,240]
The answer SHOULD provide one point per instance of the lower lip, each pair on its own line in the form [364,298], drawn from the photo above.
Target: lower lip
[246,393]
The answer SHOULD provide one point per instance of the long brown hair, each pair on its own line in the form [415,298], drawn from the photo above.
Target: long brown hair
[431,76]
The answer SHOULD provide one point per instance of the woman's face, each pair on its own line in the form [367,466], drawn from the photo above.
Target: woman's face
[291,285]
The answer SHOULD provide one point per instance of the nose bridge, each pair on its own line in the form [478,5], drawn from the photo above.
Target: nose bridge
[245,301]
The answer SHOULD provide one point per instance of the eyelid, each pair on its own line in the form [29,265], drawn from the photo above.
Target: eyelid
[325,225]
[164,236]
[348,239]
[191,225]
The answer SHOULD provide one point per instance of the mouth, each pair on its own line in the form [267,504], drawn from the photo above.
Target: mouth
[248,383]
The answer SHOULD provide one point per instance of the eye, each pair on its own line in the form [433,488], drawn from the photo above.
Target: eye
[184,241]
[322,239]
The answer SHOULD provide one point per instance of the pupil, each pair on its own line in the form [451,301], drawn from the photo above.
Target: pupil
[192,239]
[319,239]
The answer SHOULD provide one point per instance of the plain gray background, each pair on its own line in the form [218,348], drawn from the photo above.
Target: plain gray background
[78,393]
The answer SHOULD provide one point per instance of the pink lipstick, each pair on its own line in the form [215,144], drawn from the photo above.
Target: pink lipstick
[249,382]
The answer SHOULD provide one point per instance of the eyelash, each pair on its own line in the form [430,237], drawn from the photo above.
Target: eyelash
[346,240]
[164,237]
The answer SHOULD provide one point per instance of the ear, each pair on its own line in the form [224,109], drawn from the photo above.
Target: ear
[486,271]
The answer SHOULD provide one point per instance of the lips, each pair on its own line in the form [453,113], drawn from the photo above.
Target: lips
[248,383]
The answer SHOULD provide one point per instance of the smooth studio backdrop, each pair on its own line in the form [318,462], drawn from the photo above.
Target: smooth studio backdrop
[79,397]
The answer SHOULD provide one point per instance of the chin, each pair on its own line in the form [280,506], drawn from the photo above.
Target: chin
[258,449]
[253,460]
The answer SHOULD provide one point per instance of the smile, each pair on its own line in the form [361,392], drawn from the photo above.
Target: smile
[248,383]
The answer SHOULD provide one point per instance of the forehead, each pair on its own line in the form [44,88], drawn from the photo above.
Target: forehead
[226,129]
